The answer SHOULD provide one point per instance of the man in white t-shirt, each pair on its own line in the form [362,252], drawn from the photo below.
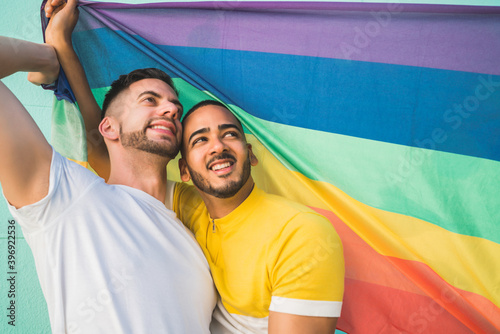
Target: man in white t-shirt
[256,244]
[109,256]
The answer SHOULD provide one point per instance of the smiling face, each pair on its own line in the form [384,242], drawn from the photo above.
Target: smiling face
[150,118]
[216,155]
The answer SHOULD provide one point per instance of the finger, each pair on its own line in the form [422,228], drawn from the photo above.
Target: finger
[48,10]
[57,10]
[33,77]
[51,5]
[56,3]
[72,4]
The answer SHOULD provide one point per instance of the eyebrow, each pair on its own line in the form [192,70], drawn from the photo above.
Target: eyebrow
[149,92]
[197,132]
[229,126]
[221,127]
[155,94]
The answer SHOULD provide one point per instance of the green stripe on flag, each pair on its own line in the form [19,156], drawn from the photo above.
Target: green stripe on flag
[456,192]
[68,131]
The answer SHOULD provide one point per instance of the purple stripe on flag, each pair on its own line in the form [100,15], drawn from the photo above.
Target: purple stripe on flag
[460,42]
[308,5]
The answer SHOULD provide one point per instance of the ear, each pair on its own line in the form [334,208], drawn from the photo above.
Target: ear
[253,159]
[109,129]
[184,171]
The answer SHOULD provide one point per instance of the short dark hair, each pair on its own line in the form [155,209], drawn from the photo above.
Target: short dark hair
[125,80]
[203,104]
[207,103]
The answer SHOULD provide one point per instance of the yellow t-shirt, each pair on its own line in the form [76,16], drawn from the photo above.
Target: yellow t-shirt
[268,254]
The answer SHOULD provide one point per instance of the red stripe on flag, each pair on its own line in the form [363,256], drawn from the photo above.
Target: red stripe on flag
[390,295]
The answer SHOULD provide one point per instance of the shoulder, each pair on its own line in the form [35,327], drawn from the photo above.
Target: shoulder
[187,203]
[283,203]
[306,262]
[74,174]
[298,227]
[292,214]
[183,189]
[67,182]
[185,193]
[309,229]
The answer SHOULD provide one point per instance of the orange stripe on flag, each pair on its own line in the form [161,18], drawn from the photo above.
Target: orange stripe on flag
[408,290]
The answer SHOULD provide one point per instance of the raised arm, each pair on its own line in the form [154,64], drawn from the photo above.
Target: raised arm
[63,19]
[25,154]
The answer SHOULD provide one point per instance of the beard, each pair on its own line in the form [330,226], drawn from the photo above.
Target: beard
[227,190]
[139,141]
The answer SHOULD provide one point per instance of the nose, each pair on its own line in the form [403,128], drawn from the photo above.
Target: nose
[169,108]
[218,146]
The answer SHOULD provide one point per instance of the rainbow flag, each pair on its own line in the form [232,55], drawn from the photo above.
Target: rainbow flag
[384,117]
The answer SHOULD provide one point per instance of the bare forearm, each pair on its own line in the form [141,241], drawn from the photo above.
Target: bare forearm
[63,19]
[78,81]
[23,56]
[90,110]
[25,163]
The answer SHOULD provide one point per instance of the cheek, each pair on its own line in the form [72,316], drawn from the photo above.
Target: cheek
[241,150]
[132,124]
[196,159]
[178,127]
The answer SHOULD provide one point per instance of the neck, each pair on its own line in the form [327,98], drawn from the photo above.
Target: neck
[140,170]
[221,207]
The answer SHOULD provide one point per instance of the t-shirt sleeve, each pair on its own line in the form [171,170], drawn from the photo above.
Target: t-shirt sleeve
[307,275]
[187,203]
[67,181]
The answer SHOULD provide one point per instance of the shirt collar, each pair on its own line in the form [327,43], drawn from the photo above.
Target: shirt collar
[242,210]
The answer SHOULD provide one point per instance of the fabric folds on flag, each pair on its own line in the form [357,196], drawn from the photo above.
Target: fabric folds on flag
[384,117]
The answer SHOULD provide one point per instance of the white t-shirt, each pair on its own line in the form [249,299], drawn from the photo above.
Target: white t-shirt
[113,259]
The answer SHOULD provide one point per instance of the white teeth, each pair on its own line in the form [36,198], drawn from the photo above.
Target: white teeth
[221,166]
[160,127]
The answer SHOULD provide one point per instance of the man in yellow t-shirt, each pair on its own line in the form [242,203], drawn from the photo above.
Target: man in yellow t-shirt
[277,264]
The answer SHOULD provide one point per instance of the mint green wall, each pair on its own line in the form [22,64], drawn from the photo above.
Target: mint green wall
[21,19]
[439,2]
